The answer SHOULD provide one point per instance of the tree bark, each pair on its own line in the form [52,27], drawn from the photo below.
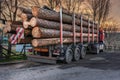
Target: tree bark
[21,10]
[53,41]
[55,16]
[5,30]
[39,32]
[54,25]
[26,17]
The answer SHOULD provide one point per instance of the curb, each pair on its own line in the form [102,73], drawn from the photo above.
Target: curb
[13,62]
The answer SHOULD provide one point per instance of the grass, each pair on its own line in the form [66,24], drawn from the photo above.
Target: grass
[14,58]
[17,57]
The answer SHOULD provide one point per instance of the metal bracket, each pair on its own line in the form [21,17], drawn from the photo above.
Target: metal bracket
[81,30]
[61,28]
[74,29]
[93,32]
[89,30]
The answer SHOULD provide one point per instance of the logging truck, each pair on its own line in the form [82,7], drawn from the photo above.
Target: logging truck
[58,36]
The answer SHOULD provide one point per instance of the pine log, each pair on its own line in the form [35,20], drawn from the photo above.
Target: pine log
[5,30]
[54,16]
[11,28]
[45,42]
[53,25]
[53,41]
[21,10]
[26,17]
[39,32]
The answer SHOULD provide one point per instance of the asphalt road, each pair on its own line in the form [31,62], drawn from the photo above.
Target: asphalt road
[105,66]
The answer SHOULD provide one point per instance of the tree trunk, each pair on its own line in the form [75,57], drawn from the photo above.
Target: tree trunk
[55,16]
[26,17]
[9,48]
[39,32]
[21,10]
[54,25]
[53,41]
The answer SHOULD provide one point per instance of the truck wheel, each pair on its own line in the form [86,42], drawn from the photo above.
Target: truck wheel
[82,52]
[77,54]
[69,55]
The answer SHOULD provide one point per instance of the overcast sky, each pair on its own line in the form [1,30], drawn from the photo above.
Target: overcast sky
[115,10]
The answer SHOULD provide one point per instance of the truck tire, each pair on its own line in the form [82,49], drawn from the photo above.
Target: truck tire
[69,55]
[82,52]
[77,54]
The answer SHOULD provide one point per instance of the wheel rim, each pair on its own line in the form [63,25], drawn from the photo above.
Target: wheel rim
[69,56]
[77,54]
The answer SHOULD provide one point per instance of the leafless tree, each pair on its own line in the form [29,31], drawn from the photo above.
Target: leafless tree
[100,9]
[8,14]
[29,3]
[53,3]
[110,27]
[73,5]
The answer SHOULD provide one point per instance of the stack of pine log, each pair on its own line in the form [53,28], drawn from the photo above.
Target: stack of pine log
[11,28]
[43,26]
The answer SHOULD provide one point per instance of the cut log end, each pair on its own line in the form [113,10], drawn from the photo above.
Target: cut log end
[36,32]
[25,24]
[35,10]
[5,30]
[23,17]
[33,22]
[9,28]
[35,43]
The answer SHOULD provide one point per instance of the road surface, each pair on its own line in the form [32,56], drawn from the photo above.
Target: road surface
[105,66]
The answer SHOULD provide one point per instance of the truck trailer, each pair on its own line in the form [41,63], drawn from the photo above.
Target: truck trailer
[68,42]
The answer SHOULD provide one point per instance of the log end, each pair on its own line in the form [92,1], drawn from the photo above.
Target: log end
[25,24]
[36,32]
[5,30]
[35,43]
[33,22]
[23,16]
[9,28]
[35,10]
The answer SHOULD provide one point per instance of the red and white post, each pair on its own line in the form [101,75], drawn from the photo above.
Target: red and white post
[89,30]
[74,29]
[81,29]
[61,28]
[93,32]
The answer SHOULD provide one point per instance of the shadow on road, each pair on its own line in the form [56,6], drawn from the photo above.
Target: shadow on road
[103,61]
